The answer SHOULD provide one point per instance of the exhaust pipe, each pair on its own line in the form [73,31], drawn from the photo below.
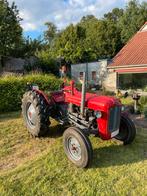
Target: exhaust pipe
[83,94]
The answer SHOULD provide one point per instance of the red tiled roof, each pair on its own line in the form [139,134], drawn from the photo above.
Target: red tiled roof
[134,52]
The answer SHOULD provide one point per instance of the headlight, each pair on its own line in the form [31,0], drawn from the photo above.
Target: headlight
[98,114]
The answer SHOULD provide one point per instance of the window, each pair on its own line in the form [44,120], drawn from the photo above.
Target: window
[81,75]
[93,75]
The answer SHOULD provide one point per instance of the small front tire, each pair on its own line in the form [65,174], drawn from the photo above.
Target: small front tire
[77,147]
[127,130]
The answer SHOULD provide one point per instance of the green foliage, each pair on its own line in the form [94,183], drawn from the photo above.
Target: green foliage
[143,103]
[145,110]
[127,101]
[12,88]
[10,29]
[143,100]
[28,47]
[69,44]
[47,62]
[89,40]
[145,89]
[114,15]
[134,16]
[50,33]
[93,38]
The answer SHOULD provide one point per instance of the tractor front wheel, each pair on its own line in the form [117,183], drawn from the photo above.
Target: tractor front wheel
[127,130]
[77,147]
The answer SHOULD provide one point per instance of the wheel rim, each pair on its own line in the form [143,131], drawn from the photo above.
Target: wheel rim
[74,148]
[31,115]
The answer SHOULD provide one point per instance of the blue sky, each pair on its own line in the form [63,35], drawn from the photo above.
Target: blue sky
[62,12]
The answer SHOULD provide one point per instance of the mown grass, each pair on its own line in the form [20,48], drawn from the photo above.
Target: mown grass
[31,166]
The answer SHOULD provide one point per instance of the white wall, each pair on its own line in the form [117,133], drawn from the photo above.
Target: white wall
[100,67]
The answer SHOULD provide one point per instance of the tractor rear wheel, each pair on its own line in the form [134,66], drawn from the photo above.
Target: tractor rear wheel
[34,111]
[127,131]
[77,147]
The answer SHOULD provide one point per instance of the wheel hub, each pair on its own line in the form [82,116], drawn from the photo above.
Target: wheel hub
[31,114]
[74,148]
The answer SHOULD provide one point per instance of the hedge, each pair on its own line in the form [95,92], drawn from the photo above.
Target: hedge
[12,89]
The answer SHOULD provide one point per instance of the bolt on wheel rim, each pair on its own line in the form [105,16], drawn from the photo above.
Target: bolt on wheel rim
[74,148]
[31,115]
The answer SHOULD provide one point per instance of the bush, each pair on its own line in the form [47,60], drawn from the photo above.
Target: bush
[127,101]
[145,111]
[142,102]
[13,87]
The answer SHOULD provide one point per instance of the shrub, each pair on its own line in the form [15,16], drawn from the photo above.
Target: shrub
[13,87]
[145,110]
[127,101]
[143,102]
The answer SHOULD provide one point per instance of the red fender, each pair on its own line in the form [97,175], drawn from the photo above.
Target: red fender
[44,95]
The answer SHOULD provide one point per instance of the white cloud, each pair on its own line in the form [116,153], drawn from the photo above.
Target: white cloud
[62,12]
[29,26]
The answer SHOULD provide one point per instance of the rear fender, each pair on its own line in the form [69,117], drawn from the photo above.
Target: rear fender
[48,101]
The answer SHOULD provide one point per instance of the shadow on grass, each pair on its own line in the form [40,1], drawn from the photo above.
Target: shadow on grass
[118,155]
[55,131]
[113,155]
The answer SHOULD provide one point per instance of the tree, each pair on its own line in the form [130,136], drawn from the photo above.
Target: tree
[102,38]
[88,40]
[135,15]
[93,38]
[47,62]
[114,15]
[69,44]
[10,29]
[50,33]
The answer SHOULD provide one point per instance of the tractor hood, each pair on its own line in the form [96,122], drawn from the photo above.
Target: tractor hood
[101,103]
[92,101]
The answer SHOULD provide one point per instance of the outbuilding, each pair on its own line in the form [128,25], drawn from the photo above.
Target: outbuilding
[95,72]
[129,67]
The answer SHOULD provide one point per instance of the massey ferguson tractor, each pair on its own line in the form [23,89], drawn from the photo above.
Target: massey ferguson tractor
[82,114]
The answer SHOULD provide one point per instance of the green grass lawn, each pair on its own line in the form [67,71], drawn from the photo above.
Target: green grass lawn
[31,166]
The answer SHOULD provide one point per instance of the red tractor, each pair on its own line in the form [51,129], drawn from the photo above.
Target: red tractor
[83,113]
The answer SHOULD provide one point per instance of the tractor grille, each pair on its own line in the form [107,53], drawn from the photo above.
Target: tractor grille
[114,119]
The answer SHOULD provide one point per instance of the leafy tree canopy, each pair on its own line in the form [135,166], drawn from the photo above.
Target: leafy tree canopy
[94,38]
[10,29]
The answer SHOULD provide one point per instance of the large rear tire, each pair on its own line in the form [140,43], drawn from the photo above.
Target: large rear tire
[35,114]
[127,131]
[77,147]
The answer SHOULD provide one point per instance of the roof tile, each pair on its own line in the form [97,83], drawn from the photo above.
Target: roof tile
[134,52]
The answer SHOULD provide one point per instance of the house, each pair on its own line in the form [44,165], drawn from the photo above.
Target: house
[129,67]
[95,72]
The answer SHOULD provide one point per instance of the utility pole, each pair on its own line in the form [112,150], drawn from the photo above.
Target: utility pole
[86,74]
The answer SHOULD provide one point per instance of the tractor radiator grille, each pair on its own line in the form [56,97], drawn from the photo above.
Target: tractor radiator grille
[114,118]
